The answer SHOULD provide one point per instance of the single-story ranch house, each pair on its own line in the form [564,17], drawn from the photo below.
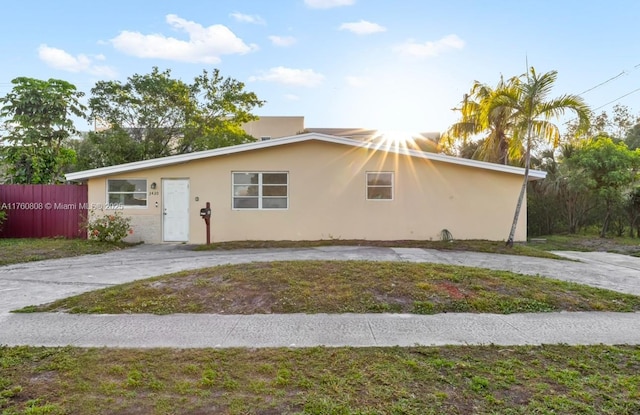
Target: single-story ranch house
[310,187]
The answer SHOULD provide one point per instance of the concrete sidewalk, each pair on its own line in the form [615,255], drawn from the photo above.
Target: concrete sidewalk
[307,330]
[45,281]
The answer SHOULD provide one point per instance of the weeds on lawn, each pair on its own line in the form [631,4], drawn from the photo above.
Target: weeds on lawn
[496,247]
[344,287]
[415,380]
[13,251]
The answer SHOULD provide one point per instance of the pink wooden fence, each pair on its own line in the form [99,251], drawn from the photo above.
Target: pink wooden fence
[38,210]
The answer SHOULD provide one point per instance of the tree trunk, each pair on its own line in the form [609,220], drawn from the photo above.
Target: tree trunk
[523,191]
[570,214]
[605,224]
[634,226]
[633,223]
[503,148]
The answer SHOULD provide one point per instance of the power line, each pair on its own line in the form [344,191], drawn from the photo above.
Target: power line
[624,72]
[617,99]
[608,103]
[606,82]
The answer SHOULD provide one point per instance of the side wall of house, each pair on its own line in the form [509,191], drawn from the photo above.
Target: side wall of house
[274,127]
[327,197]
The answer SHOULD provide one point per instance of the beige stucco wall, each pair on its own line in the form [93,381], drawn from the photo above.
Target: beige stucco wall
[327,197]
[274,127]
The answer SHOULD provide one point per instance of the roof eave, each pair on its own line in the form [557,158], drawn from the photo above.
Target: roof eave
[183,158]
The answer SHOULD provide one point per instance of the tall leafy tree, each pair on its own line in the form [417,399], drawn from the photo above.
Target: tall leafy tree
[531,113]
[38,117]
[623,121]
[106,148]
[493,128]
[576,201]
[617,124]
[222,106]
[565,198]
[632,138]
[608,169]
[155,115]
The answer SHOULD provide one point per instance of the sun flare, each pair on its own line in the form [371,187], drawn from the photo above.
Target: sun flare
[396,138]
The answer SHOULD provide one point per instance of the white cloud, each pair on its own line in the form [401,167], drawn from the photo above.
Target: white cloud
[282,41]
[357,81]
[247,18]
[363,27]
[430,49]
[292,97]
[290,76]
[328,4]
[59,59]
[205,44]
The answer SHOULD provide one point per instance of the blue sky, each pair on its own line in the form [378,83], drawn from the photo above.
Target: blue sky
[379,64]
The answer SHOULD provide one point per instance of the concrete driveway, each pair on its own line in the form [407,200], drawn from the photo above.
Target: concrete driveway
[40,282]
[44,281]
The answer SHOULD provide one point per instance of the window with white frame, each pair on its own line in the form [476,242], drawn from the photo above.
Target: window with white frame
[127,192]
[380,185]
[253,190]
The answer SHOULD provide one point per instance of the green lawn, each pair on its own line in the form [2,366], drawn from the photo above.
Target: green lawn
[14,251]
[343,286]
[555,379]
[322,381]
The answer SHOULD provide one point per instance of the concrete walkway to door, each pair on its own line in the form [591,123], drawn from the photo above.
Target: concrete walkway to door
[40,282]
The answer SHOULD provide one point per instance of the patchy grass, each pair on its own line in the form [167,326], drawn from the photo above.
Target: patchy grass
[495,247]
[415,380]
[341,287]
[588,243]
[14,251]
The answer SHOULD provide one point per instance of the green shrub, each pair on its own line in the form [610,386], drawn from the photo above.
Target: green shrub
[446,236]
[113,227]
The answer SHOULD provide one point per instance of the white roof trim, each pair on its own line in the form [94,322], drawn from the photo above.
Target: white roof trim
[182,158]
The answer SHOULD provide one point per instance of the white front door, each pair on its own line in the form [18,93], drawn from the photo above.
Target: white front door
[175,210]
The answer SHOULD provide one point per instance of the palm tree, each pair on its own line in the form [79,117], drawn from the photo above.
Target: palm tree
[530,112]
[495,126]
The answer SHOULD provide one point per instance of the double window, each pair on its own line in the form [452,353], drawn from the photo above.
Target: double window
[379,186]
[260,190]
[127,193]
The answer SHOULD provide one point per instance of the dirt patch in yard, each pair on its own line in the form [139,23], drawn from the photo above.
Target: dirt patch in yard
[344,287]
[625,246]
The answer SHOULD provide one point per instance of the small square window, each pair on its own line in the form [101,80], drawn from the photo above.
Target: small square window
[127,193]
[379,186]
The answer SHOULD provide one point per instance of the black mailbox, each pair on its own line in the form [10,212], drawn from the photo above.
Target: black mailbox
[205,213]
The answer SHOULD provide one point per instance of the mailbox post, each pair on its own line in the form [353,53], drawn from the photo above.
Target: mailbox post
[205,213]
